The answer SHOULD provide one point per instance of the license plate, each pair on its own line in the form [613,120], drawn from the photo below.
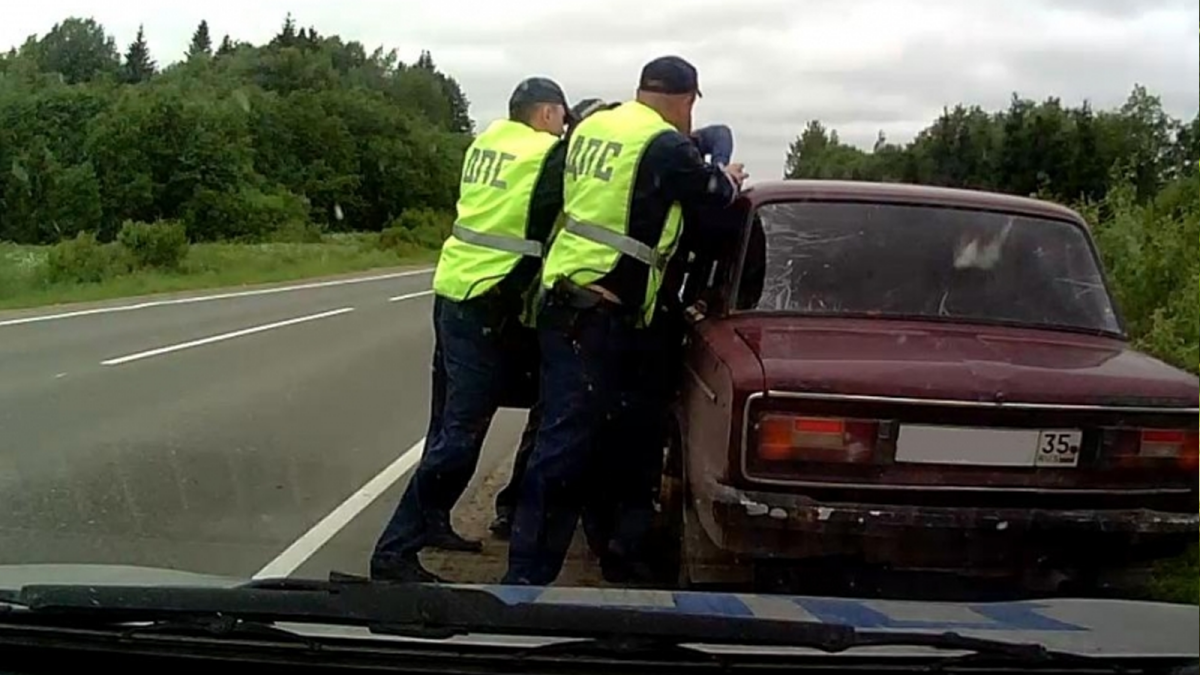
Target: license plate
[977,446]
[1058,448]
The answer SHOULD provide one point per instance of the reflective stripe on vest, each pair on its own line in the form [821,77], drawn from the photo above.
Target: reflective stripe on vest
[489,237]
[602,164]
[626,245]
[497,241]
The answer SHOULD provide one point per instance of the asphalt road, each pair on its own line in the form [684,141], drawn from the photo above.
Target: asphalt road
[242,432]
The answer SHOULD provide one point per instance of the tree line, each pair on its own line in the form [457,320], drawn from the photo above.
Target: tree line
[1045,148]
[1132,171]
[235,141]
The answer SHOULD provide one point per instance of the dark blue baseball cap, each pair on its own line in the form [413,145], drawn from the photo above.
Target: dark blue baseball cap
[586,107]
[538,90]
[670,75]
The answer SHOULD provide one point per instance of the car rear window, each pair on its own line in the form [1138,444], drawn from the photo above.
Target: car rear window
[828,258]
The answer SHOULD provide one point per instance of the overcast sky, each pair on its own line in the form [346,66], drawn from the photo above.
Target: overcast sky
[766,66]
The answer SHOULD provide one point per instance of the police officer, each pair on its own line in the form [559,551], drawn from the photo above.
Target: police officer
[629,172]
[599,517]
[509,198]
[506,498]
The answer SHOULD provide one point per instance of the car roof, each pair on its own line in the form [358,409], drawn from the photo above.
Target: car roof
[903,193]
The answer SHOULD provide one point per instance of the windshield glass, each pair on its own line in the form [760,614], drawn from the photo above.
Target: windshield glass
[925,262]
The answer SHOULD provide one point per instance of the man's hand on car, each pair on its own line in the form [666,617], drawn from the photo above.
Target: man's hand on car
[737,172]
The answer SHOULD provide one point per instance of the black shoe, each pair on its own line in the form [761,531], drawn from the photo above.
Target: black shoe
[501,527]
[615,572]
[628,574]
[619,569]
[447,539]
[403,571]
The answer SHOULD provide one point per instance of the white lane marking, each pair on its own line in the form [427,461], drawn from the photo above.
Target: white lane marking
[223,336]
[206,298]
[312,541]
[410,296]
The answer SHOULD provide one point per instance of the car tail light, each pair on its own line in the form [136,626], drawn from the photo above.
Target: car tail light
[791,438]
[1154,447]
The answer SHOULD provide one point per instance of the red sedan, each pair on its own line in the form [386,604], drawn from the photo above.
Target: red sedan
[921,378]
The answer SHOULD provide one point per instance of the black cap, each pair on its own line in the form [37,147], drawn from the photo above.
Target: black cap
[537,90]
[670,75]
[586,107]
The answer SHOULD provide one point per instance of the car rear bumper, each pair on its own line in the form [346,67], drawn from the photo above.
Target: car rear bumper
[774,525]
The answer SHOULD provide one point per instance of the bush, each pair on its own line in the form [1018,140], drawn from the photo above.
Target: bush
[163,245]
[296,232]
[423,228]
[398,239]
[84,260]
[1150,255]
[19,268]
[1174,333]
[247,214]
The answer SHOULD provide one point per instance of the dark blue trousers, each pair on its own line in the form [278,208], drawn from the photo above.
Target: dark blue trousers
[627,467]
[467,387]
[589,379]
[506,499]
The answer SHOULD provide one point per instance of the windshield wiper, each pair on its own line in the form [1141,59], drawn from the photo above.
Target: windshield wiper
[979,653]
[220,627]
[410,610]
[626,647]
[440,612]
[978,649]
[13,606]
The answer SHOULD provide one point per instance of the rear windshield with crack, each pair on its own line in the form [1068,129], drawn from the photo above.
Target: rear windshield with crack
[946,264]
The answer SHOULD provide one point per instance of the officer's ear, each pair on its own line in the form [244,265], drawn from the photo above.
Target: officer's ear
[547,117]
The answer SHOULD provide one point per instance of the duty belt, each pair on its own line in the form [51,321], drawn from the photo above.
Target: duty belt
[518,245]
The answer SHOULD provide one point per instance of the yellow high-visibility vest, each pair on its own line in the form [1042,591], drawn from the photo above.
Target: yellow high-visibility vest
[602,164]
[490,234]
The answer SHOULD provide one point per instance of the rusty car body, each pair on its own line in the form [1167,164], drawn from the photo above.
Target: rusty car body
[919,378]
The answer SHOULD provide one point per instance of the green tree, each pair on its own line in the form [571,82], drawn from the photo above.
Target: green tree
[1088,173]
[439,95]
[1185,152]
[227,47]
[1046,149]
[287,36]
[77,49]
[1048,133]
[1143,135]
[46,200]
[958,150]
[305,133]
[819,154]
[138,66]
[1018,165]
[1193,144]
[460,107]
[888,161]
[201,46]
[805,153]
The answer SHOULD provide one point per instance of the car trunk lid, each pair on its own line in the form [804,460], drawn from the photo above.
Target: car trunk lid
[961,363]
[969,407]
